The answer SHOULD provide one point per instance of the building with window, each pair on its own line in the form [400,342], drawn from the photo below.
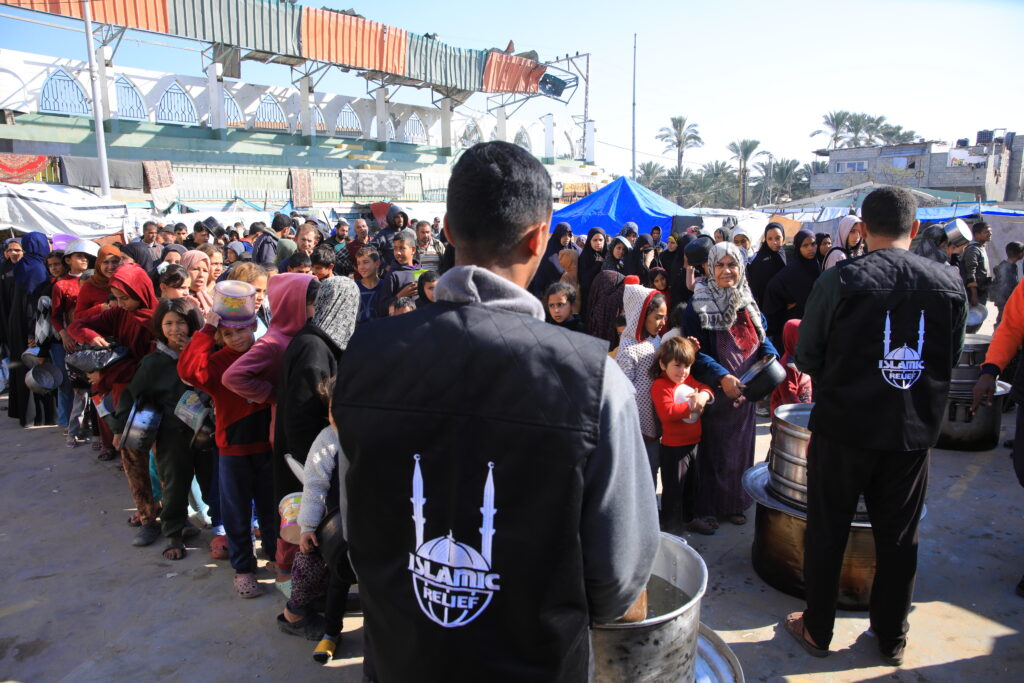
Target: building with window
[990,169]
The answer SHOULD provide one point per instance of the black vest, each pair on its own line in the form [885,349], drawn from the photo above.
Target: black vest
[467,429]
[890,352]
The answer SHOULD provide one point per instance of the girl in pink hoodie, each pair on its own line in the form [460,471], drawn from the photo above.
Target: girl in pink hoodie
[255,374]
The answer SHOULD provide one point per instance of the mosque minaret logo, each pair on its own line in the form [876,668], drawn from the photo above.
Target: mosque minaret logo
[453,581]
[901,367]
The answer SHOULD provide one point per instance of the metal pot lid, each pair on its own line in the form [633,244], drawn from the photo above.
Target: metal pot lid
[755,482]
[716,662]
[798,415]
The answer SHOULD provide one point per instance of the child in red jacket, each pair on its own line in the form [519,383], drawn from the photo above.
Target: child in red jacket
[245,464]
[796,388]
[679,400]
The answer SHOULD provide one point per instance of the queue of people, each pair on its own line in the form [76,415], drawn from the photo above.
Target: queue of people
[284,359]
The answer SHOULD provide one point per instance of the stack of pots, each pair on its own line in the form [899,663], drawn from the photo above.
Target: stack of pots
[962,431]
[780,488]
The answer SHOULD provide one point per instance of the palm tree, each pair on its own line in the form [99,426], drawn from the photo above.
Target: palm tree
[856,129]
[895,135]
[835,127]
[712,185]
[679,137]
[673,185]
[649,174]
[742,152]
[873,129]
[802,184]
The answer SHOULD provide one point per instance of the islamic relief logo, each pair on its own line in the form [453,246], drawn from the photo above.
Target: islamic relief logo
[453,582]
[903,366]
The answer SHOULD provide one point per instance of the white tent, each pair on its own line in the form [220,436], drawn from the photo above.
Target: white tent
[59,209]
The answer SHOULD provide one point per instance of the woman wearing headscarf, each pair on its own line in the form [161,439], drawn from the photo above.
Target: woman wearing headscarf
[726,321]
[604,305]
[94,294]
[590,262]
[12,254]
[722,234]
[769,260]
[641,259]
[677,271]
[172,253]
[742,240]
[823,240]
[197,264]
[140,255]
[618,253]
[787,292]
[28,274]
[550,269]
[850,234]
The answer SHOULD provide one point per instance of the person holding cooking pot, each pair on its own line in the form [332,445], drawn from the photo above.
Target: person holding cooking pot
[727,322]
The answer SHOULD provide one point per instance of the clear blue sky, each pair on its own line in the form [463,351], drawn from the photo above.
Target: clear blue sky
[738,68]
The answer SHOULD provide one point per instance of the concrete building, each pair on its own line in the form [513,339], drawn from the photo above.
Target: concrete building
[990,169]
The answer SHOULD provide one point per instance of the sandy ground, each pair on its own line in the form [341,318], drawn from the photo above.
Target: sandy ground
[79,603]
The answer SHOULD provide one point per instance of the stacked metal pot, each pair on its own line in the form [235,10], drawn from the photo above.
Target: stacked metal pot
[962,431]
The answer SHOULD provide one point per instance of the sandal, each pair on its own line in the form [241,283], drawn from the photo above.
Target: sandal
[700,526]
[712,521]
[135,521]
[247,587]
[794,625]
[106,455]
[175,550]
[738,520]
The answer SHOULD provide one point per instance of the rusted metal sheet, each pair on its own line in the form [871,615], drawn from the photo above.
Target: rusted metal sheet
[508,73]
[148,15]
[436,63]
[271,27]
[344,39]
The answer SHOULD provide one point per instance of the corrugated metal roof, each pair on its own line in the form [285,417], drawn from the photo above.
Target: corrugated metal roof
[149,15]
[352,41]
[441,64]
[508,73]
[255,24]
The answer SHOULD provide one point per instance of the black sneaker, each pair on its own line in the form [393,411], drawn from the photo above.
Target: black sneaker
[896,658]
[309,627]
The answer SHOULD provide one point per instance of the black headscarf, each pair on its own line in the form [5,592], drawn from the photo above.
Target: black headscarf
[766,263]
[932,244]
[635,259]
[676,268]
[612,263]
[726,234]
[590,265]
[550,270]
[818,239]
[792,285]
[604,304]
[139,252]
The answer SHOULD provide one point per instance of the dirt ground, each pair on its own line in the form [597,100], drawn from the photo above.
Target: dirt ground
[79,603]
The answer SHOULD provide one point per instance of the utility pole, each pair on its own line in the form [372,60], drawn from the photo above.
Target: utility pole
[634,108]
[97,117]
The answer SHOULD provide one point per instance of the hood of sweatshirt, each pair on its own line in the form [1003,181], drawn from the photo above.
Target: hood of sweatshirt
[287,295]
[636,301]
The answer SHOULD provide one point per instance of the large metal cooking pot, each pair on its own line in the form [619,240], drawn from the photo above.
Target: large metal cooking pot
[787,458]
[962,431]
[762,378]
[43,378]
[958,232]
[968,366]
[662,647]
[141,427]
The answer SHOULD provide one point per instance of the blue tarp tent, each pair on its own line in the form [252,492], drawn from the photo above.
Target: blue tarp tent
[616,203]
[946,213]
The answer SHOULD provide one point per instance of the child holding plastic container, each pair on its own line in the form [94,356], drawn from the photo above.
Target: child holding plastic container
[156,383]
[242,429]
[679,401]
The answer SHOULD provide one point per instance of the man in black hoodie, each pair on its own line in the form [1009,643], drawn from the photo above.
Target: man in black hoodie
[397,220]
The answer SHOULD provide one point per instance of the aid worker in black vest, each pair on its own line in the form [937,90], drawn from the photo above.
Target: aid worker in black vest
[498,494]
[879,337]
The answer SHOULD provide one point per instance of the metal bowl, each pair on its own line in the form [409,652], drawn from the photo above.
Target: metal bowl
[762,378]
[958,232]
[43,378]
[976,315]
[141,427]
[30,357]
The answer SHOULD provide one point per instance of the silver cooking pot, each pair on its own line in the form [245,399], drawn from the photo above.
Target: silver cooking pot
[43,378]
[762,378]
[141,427]
[957,232]
[30,357]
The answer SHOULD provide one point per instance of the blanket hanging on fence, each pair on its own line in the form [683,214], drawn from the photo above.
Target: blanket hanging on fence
[301,184]
[21,168]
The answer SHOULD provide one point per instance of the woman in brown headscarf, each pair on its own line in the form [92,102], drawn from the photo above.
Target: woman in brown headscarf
[197,264]
[94,293]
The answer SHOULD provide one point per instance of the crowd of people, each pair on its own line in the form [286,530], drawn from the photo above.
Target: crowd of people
[281,360]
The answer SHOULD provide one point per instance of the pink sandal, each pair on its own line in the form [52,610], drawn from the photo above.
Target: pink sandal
[247,587]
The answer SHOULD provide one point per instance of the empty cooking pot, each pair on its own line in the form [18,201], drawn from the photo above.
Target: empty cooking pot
[762,378]
[43,378]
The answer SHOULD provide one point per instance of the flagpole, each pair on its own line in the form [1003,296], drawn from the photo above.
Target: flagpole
[97,116]
[634,108]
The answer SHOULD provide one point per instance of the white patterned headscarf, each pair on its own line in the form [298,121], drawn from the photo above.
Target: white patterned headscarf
[717,307]
[336,309]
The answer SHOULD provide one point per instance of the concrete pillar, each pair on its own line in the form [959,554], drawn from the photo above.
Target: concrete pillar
[105,84]
[446,123]
[549,136]
[218,118]
[306,121]
[502,127]
[381,96]
[588,150]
